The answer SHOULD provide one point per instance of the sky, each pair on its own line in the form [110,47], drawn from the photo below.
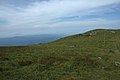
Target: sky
[34,17]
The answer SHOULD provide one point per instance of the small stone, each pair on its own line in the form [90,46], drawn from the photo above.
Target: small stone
[117,63]
[99,58]
[112,31]
[103,67]
[71,46]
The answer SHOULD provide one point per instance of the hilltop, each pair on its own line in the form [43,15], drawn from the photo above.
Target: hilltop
[94,55]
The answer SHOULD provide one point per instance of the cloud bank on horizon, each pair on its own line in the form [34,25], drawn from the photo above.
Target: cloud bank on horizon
[29,17]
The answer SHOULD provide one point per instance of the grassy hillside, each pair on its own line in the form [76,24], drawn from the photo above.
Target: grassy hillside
[77,57]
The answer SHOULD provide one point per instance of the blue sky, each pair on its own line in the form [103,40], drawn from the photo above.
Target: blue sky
[33,17]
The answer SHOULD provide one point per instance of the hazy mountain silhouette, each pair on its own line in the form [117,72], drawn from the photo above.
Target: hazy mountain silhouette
[28,40]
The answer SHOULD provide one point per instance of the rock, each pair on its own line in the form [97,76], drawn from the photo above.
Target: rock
[112,31]
[117,63]
[99,58]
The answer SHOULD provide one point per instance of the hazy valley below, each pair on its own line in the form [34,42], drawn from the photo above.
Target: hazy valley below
[28,40]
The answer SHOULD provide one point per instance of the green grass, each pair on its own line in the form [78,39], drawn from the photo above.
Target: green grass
[77,57]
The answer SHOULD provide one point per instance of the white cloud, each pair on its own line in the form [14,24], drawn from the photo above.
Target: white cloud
[39,14]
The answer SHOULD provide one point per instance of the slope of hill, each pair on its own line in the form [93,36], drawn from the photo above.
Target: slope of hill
[94,55]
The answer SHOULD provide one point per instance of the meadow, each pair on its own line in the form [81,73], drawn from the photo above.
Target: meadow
[84,56]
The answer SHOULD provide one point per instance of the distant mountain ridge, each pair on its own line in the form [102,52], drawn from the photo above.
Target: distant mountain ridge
[28,40]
